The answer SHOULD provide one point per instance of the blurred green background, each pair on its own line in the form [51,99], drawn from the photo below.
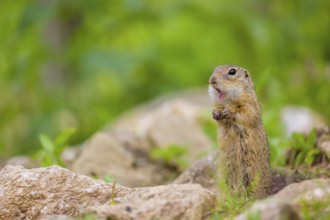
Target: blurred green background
[80,63]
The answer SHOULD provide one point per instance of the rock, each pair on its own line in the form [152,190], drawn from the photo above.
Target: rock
[55,193]
[319,194]
[37,193]
[269,209]
[310,196]
[323,141]
[325,148]
[123,156]
[123,149]
[184,201]
[295,191]
[70,154]
[301,120]
[281,177]
[58,217]
[288,203]
[204,172]
[170,122]
[25,161]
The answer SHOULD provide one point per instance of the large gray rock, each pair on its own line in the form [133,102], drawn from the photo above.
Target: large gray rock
[297,191]
[172,202]
[287,203]
[170,122]
[123,149]
[37,193]
[121,155]
[58,217]
[57,193]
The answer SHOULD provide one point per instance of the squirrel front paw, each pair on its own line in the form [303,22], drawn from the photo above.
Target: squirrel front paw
[224,115]
[216,115]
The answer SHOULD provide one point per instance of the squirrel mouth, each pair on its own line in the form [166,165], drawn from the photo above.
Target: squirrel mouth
[221,95]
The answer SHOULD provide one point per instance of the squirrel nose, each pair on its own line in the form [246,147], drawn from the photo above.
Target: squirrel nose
[212,80]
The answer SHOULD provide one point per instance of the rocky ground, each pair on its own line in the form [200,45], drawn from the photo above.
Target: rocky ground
[145,152]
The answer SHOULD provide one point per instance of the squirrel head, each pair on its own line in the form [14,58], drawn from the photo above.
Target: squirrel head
[230,83]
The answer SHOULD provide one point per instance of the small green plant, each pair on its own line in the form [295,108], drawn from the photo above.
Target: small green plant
[108,179]
[318,209]
[304,148]
[51,151]
[113,194]
[174,155]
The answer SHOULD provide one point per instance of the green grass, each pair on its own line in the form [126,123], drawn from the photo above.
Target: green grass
[305,148]
[230,205]
[315,209]
[173,155]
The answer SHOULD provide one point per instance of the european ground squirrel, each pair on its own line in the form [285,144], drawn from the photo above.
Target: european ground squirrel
[244,147]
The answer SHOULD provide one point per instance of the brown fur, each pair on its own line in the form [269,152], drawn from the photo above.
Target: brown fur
[243,141]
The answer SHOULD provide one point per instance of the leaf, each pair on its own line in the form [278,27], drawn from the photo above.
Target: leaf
[310,156]
[108,179]
[173,154]
[52,151]
[299,140]
[46,144]
[60,144]
[311,139]
[46,161]
[168,153]
[60,162]
[63,137]
[300,158]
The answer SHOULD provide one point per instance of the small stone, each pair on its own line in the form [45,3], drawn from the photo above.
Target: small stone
[128,209]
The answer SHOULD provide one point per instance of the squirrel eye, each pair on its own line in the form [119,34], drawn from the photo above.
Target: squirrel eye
[232,72]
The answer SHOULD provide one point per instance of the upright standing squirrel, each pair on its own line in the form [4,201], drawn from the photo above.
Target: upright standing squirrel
[244,147]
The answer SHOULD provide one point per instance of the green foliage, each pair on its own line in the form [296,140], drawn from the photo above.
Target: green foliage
[317,209]
[172,155]
[108,179]
[278,142]
[51,151]
[230,204]
[82,63]
[304,148]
